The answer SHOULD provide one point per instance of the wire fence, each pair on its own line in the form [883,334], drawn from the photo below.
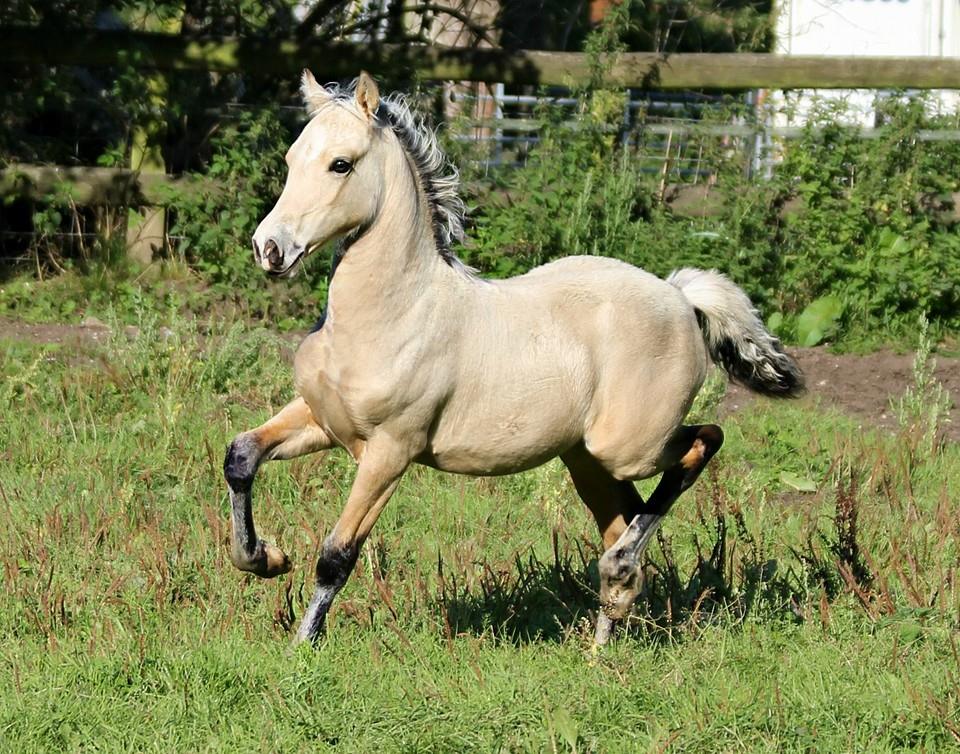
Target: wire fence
[669,126]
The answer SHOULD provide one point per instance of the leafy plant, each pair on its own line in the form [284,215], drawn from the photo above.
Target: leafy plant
[871,226]
[818,320]
[924,407]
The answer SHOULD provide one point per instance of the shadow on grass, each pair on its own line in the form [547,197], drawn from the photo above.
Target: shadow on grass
[532,600]
[732,577]
[537,600]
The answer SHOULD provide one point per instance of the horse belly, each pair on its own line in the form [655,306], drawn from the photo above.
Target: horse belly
[504,434]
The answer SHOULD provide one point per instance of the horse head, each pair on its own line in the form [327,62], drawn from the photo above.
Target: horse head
[334,176]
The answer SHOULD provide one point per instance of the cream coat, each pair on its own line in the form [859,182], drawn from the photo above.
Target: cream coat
[421,361]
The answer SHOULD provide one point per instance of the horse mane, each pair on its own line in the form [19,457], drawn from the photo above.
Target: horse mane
[439,178]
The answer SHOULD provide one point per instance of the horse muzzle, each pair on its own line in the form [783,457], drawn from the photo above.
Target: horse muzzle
[274,260]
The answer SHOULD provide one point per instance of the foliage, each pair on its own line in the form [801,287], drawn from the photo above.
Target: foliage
[848,237]
[847,240]
[877,228]
[213,229]
[818,320]
[654,25]
[701,26]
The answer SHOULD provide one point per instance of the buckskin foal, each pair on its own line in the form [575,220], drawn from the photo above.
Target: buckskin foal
[418,360]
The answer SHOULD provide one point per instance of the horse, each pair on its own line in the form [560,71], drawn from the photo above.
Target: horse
[418,359]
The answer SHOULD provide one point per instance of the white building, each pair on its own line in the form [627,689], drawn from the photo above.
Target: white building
[882,28]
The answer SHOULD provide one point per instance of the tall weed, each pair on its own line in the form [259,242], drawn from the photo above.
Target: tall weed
[924,408]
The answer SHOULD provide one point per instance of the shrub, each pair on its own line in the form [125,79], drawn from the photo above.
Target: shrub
[848,237]
[212,230]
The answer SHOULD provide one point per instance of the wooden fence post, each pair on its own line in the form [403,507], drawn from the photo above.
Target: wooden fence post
[147,226]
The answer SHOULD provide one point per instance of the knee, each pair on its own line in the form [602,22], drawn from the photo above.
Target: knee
[240,463]
[335,563]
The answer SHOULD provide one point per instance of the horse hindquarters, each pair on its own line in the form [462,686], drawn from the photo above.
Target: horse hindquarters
[642,398]
[737,341]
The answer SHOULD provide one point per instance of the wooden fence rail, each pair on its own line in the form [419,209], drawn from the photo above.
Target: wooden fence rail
[340,60]
[96,186]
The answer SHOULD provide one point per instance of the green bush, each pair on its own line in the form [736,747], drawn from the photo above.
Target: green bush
[212,230]
[875,228]
[849,237]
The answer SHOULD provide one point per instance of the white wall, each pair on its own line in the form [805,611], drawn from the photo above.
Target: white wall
[884,28]
[868,27]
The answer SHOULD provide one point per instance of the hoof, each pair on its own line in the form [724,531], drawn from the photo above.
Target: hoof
[620,581]
[310,640]
[267,561]
[277,562]
[312,629]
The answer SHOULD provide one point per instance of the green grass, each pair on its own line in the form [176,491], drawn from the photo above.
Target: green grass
[773,620]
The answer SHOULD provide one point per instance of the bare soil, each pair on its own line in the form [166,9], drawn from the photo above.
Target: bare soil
[862,385]
[859,385]
[54,334]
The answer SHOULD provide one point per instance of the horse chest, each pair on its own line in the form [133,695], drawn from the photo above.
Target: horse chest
[350,391]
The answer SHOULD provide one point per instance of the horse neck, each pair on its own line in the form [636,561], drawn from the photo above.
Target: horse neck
[389,269]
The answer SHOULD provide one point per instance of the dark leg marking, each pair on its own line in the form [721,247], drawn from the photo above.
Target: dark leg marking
[248,552]
[620,565]
[241,462]
[334,566]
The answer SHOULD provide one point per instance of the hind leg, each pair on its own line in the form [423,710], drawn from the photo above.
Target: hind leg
[292,432]
[613,503]
[684,458]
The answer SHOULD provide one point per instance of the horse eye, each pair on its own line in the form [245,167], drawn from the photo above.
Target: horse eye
[341,166]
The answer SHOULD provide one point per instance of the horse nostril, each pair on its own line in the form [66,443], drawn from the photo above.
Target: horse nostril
[272,252]
[256,250]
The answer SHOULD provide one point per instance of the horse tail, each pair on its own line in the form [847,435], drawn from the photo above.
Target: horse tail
[735,336]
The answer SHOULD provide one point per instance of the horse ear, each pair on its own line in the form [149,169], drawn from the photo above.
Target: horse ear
[368,95]
[314,95]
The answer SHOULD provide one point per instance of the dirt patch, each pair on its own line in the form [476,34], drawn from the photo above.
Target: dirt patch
[92,330]
[861,385]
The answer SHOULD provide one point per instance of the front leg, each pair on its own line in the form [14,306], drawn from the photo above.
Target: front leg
[293,432]
[381,465]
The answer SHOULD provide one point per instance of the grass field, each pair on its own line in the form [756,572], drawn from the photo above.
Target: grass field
[803,596]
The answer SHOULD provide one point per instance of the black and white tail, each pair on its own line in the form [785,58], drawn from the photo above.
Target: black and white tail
[735,336]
